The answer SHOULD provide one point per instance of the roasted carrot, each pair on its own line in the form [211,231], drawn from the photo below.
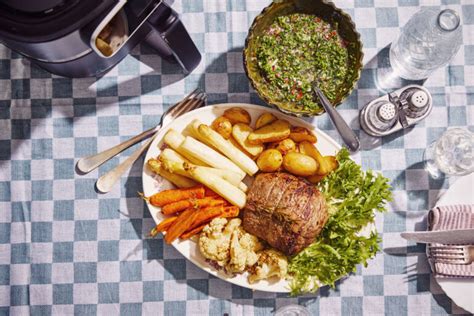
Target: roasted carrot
[209,213]
[206,215]
[163,226]
[181,224]
[209,192]
[192,232]
[166,223]
[174,195]
[230,211]
[196,203]
[176,207]
[217,202]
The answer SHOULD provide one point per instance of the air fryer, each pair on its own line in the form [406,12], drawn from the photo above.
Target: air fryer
[83,38]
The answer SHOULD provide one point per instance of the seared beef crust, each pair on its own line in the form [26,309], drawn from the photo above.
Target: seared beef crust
[285,211]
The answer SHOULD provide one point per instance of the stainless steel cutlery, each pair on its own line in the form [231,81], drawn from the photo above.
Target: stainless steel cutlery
[452,254]
[105,183]
[447,237]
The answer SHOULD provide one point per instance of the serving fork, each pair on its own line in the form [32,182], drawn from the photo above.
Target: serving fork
[452,254]
[105,183]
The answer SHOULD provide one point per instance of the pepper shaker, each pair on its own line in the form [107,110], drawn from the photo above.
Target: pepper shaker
[395,111]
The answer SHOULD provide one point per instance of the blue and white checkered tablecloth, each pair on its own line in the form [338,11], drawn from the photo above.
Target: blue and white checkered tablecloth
[65,249]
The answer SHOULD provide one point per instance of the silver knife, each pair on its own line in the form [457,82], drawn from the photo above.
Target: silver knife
[449,237]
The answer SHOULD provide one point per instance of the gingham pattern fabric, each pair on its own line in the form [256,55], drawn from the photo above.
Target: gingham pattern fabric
[65,249]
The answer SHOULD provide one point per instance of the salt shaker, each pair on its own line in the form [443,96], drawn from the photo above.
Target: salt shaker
[395,111]
[427,42]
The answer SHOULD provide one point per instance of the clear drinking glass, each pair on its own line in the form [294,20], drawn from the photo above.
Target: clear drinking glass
[293,310]
[452,154]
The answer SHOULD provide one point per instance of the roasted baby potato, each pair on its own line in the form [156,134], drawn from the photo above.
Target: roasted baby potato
[223,126]
[315,178]
[237,115]
[299,134]
[240,132]
[332,162]
[299,164]
[265,119]
[270,160]
[308,149]
[273,145]
[237,145]
[276,131]
[285,146]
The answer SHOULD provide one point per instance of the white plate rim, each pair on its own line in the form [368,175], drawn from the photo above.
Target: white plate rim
[216,109]
[458,289]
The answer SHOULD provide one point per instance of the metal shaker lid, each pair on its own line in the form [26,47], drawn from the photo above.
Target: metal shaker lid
[419,99]
[387,111]
[378,116]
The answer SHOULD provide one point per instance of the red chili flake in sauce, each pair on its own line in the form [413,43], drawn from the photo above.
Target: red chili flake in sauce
[300,95]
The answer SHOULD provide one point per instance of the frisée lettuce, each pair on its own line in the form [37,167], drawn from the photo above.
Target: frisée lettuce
[353,196]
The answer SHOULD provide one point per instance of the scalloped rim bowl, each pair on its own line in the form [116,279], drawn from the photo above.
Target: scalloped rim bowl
[321,8]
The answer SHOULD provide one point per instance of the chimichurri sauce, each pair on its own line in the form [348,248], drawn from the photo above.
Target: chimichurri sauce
[298,49]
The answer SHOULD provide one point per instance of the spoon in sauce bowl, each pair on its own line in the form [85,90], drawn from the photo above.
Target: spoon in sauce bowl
[347,134]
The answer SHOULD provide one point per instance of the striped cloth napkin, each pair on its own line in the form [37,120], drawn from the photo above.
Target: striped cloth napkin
[449,218]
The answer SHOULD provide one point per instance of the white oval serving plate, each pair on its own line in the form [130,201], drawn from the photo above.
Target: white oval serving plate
[153,183]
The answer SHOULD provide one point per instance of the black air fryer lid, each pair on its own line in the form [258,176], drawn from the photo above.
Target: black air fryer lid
[45,20]
[40,6]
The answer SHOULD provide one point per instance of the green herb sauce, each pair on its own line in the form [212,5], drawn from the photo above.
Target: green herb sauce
[298,49]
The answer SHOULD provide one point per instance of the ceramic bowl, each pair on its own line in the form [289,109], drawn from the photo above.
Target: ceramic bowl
[319,8]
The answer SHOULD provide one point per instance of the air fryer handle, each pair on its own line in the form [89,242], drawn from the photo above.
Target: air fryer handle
[170,38]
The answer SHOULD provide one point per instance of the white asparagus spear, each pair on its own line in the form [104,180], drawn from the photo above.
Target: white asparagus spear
[242,186]
[174,167]
[225,189]
[194,148]
[233,153]
[193,128]
[201,174]
[178,180]
[229,175]
[173,155]
[174,140]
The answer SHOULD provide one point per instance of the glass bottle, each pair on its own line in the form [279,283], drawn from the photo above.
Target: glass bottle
[427,41]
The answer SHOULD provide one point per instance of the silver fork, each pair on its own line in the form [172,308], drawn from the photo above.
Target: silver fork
[452,254]
[87,164]
[106,182]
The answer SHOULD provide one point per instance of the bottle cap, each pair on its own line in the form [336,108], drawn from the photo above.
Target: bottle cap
[448,20]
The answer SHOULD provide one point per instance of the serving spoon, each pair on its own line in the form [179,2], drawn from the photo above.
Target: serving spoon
[347,134]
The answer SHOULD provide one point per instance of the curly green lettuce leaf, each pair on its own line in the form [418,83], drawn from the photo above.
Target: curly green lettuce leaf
[353,196]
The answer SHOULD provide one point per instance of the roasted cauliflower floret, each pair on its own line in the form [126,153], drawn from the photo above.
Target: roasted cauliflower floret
[270,263]
[214,241]
[243,251]
[228,245]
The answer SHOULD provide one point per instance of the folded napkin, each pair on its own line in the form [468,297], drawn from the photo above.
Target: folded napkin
[448,218]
